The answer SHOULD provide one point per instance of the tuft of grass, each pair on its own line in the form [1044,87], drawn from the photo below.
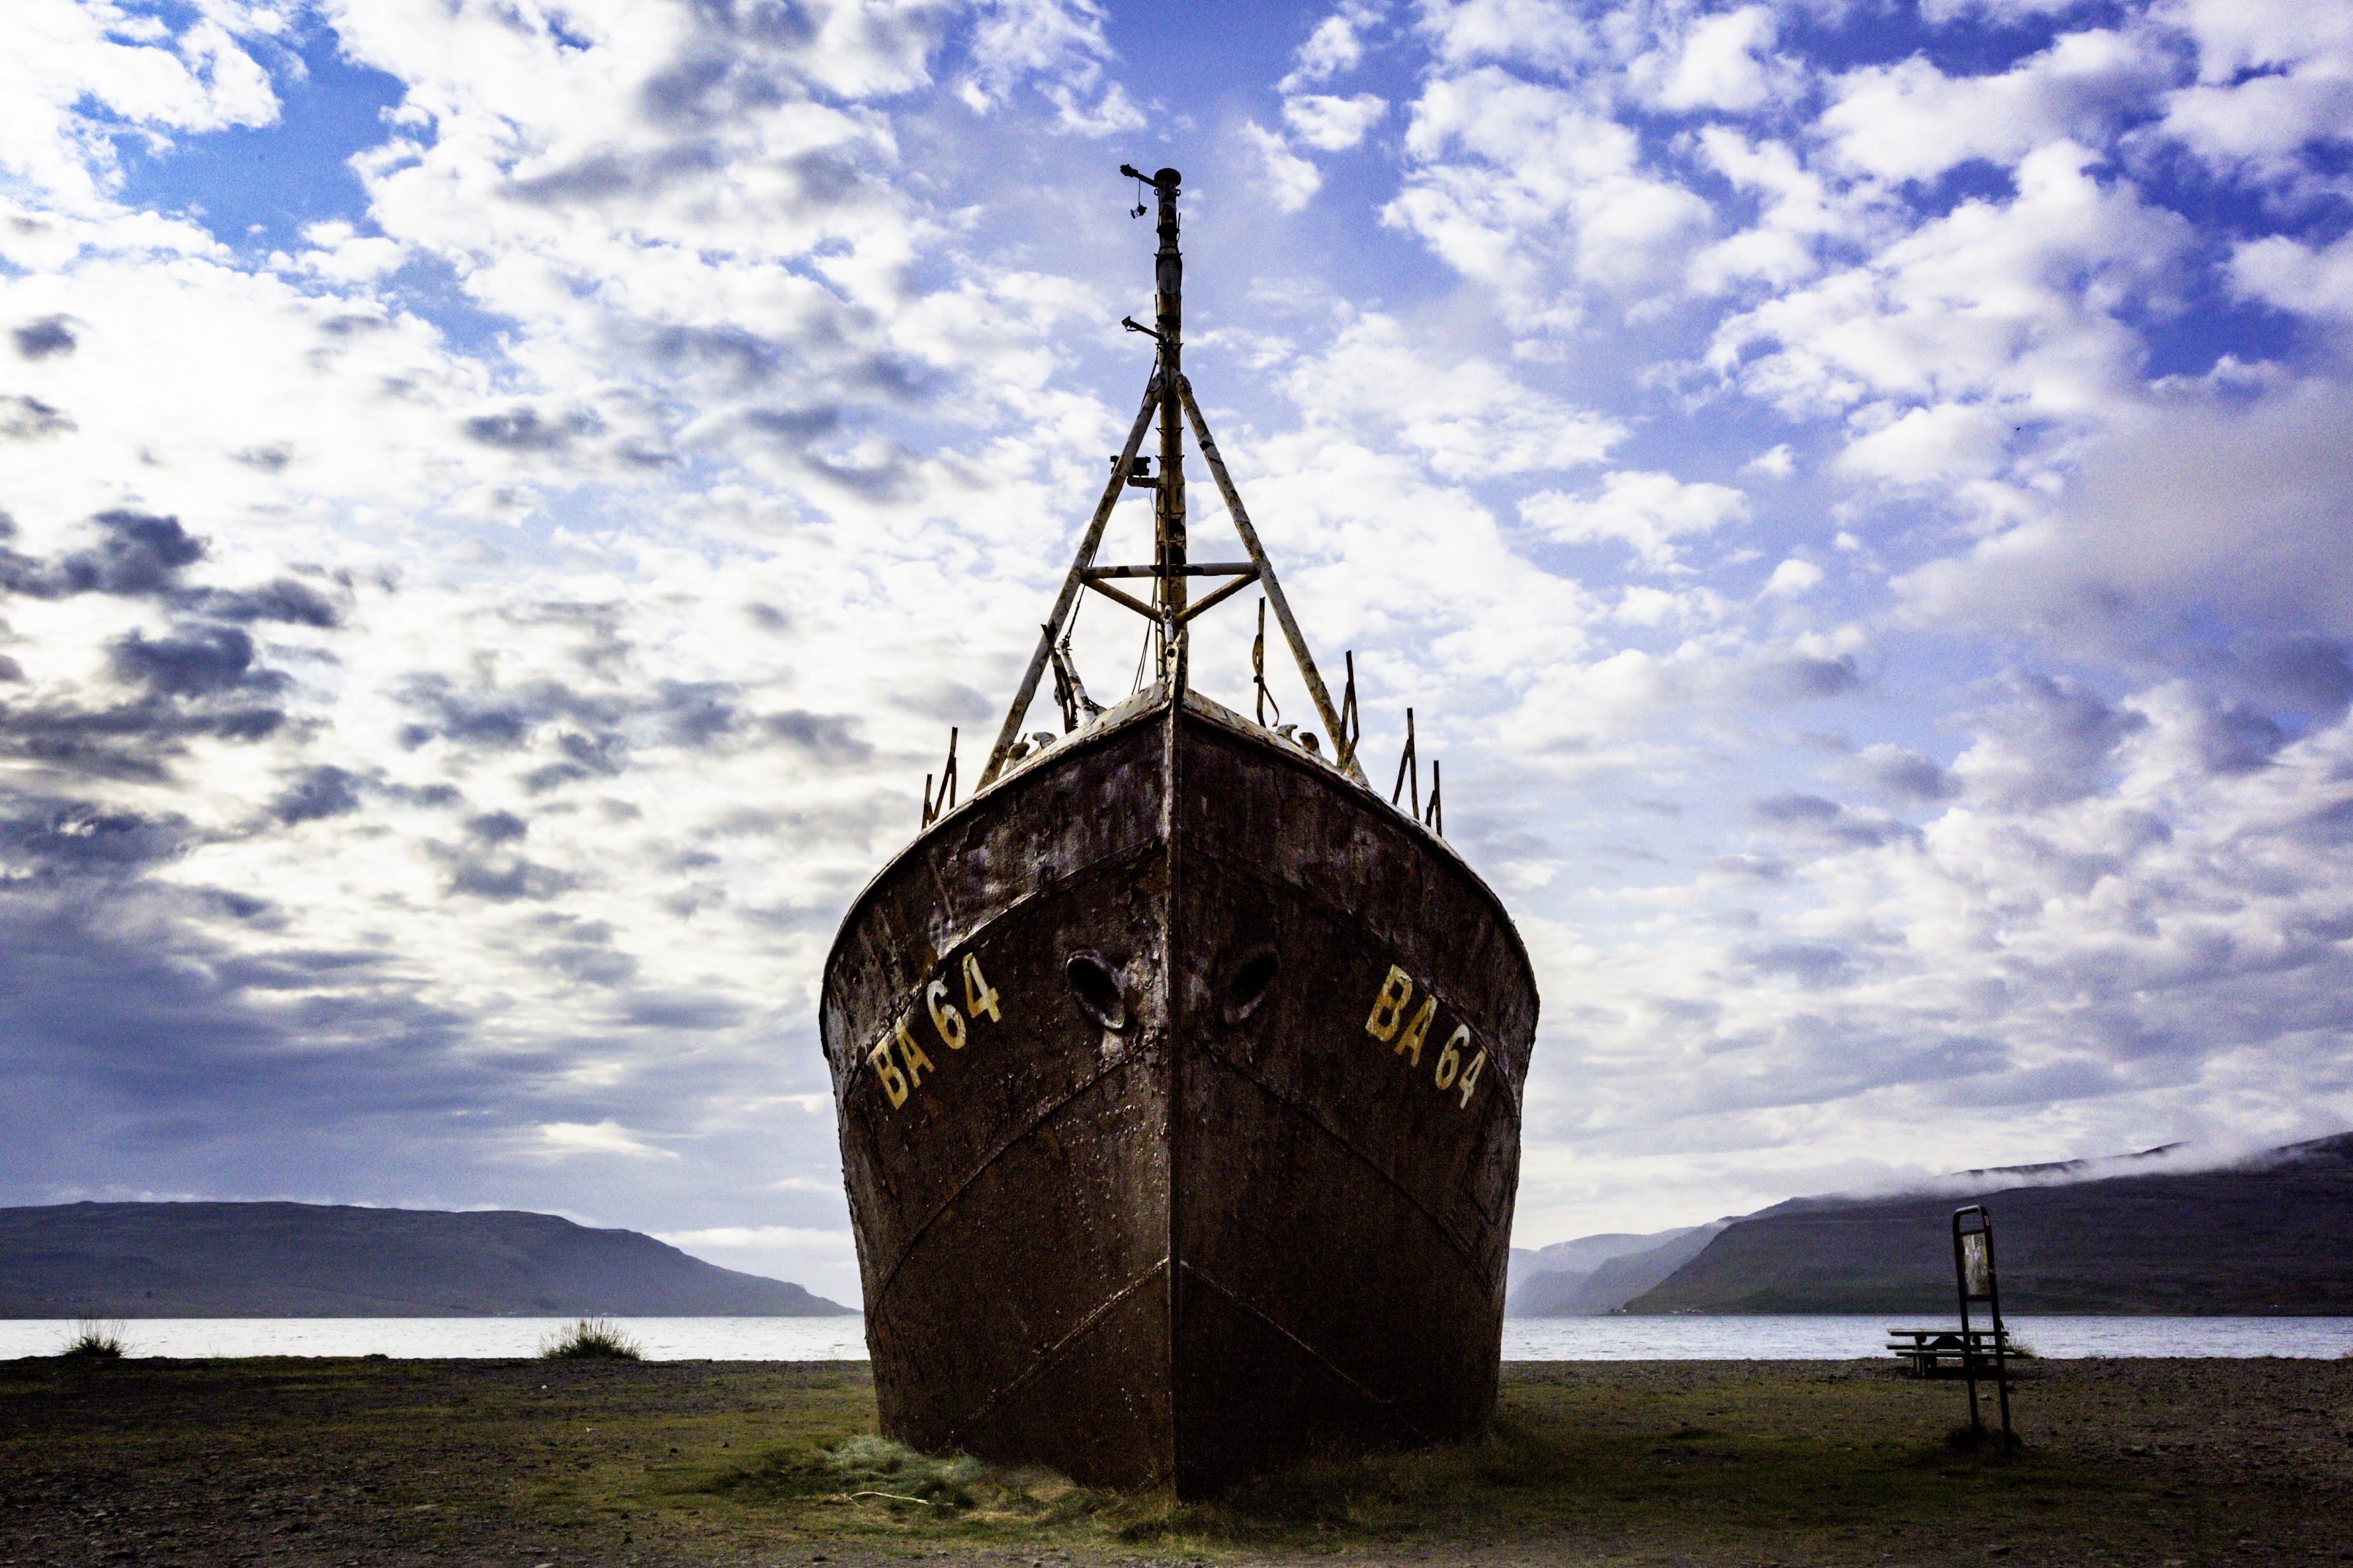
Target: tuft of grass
[872,1472]
[870,1484]
[1740,1461]
[94,1339]
[591,1339]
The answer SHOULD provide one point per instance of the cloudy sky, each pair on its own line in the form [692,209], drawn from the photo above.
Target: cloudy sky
[501,501]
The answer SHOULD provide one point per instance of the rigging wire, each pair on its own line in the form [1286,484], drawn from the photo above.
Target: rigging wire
[1141,654]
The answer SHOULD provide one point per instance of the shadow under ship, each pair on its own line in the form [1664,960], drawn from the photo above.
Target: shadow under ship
[1178,1073]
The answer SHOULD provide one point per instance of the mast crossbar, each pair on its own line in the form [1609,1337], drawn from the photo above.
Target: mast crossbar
[1196,569]
[1117,597]
[1241,582]
[1243,576]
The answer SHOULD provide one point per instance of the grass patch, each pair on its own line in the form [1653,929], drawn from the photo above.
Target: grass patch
[94,1340]
[869,1471]
[721,1463]
[591,1339]
[1335,1502]
[1729,1465]
[1987,1440]
[1774,1461]
[867,1484]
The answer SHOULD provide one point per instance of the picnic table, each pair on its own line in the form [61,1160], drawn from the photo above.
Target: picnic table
[1932,1351]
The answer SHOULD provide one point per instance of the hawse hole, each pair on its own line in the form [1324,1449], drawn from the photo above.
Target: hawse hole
[1253,978]
[1095,985]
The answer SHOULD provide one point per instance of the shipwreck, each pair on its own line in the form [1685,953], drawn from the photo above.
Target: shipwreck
[1178,1071]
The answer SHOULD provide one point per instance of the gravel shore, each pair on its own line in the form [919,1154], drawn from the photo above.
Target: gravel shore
[357,1464]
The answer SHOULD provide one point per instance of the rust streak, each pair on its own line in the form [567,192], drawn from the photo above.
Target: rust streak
[1308,1113]
[1035,1122]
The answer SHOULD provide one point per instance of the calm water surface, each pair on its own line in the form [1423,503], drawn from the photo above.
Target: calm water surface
[1524,1338]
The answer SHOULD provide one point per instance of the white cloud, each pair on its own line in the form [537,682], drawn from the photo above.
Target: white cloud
[1898,774]
[1056,46]
[2304,280]
[1944,13]
[606,1137]
[2005,957]
[1468,418]
[1930,445]
[345,256]
[1333,124]
[2195,506]
[1544,33]
[1335,48]
[1647,511]
[59,54]
[1721,62]
[820,1259]
[1910,120]
[427,708]
[1291,180]
[2011,306]
[1537,193]
[786,1239]
[1798,214]
[2273,78]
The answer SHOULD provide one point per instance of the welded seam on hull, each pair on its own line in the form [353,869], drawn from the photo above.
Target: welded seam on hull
[915,1235]
[1314,767]
[1075,745]
[1171,1022]
[1347,789]
[1338,917]
[1445,1230]
[1307,1350]
[1045,1358]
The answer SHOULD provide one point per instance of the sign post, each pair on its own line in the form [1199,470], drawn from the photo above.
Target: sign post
[1973,1273]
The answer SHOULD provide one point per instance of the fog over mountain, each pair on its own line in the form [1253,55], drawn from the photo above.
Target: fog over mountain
[2265,1234]
[500,505]
[2180,1228]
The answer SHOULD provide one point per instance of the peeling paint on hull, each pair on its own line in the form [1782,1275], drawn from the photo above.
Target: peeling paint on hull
[1241,1226]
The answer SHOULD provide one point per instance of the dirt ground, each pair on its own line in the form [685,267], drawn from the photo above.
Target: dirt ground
[378,1463]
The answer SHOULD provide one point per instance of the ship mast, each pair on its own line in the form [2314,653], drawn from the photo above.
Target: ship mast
[1169,396]
[1168,501]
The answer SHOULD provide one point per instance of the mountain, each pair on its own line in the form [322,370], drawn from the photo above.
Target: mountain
[1618,1280]
[311,1260]
[2273,1233]
[1543,1272]
[1596,1274]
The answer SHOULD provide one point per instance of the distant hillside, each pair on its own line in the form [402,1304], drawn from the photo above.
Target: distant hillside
[1617,1281]
[1538,1274]
[1596,1274]
[308,1260]
[2269,1235]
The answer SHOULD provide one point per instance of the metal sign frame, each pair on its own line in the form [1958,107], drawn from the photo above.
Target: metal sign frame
[1976,1278]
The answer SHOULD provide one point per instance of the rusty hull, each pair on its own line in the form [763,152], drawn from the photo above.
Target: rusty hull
[1230,1233]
